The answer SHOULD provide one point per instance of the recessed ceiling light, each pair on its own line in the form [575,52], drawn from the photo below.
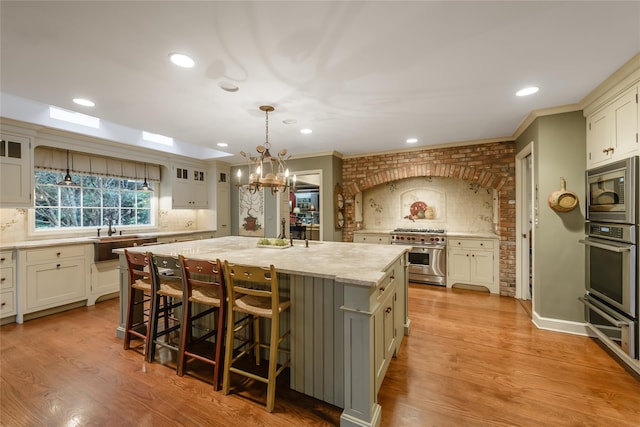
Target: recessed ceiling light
[222,144]
[305,131]
[182,60]
[84,102]
[527,91]
[290,121]
[412,140]
[229,87]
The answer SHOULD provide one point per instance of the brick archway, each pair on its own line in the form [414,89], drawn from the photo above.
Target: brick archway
[474,175]
[489,165]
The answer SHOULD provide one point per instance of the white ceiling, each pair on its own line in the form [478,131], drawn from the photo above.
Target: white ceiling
[364,76]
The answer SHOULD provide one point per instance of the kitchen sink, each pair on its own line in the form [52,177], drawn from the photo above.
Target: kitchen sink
[103,246]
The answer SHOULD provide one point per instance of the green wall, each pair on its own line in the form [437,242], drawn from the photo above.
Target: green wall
[331,167]
[559,150]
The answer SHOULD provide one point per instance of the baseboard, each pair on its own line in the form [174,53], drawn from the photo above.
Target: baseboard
[566,326]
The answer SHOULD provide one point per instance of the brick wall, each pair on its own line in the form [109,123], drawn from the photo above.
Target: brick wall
[489,165]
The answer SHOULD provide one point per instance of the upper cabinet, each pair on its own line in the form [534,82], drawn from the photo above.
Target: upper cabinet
[189,187]
[612,131]
[15,171]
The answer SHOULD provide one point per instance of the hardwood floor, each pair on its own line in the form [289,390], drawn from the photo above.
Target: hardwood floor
[472,359]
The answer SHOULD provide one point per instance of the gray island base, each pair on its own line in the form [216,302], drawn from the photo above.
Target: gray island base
[347,319]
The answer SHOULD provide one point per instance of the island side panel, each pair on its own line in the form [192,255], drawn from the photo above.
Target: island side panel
[317,338]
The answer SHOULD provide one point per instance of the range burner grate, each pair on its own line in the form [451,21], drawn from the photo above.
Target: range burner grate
[419,230]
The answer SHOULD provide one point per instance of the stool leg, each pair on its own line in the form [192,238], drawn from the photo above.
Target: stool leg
[228,354]
[273,363]
[185,336]
[220,316]
[256,338]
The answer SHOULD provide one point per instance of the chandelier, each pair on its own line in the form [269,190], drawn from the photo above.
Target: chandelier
[265,170]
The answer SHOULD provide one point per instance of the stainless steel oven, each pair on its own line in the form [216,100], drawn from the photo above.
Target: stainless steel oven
[612,265]
[427,257]
[612,192]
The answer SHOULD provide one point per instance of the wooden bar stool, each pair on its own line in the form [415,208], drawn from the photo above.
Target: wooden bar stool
[203,284]
[139,305]
[167,294]
[254,291]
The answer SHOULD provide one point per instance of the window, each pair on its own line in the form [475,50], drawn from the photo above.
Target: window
[95,201]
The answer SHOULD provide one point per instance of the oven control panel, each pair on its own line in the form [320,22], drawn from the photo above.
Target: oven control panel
[611,231]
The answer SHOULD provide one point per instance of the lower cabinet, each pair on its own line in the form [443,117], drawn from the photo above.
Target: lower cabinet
[105,280]
[53,277]
[386,322]
[7,285]
[473,262]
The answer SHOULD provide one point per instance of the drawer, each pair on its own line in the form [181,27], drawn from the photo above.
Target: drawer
[472,244]
[6,278]
[6,258]
[52,254]
[383,239]
[7,303]
[388,284]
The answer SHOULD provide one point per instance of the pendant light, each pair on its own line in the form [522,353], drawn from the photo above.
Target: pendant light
[67,181]
[145,184]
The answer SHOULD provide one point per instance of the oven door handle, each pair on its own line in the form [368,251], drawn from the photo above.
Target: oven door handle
[604,314]
[605,246]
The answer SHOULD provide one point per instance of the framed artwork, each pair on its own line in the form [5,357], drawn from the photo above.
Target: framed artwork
[251,213]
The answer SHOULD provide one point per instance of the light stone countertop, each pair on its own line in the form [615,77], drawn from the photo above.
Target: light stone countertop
[355,263]
[43,243]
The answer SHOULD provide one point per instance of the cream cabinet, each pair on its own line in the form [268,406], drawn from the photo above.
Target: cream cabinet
[377,238]
[52,277]
[7,284]
[105,280]
[387,319]
[612,131]
[15,171]
[189,187]
[473,262]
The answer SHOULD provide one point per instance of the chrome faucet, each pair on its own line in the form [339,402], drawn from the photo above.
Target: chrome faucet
[111,231]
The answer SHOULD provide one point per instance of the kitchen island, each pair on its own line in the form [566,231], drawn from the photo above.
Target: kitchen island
[347,318]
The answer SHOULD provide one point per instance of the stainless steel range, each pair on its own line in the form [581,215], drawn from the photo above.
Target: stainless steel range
[428,255]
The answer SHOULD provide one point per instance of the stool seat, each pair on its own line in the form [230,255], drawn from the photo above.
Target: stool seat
[259,306]
[205,295]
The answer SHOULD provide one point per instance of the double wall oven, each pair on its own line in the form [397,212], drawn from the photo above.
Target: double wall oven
[612,302]
[427,256]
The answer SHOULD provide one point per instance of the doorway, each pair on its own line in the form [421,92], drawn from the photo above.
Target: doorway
[306,206]
[525,217]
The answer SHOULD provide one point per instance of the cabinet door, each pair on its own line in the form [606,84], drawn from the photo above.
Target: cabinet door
[389,310]
[223,210]
[105,278]
[482,267]
[599,137]
[625,118]
[459,265]
[55,283]
[189,187]
[15,171]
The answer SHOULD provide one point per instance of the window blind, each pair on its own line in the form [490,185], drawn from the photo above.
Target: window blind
[56,159]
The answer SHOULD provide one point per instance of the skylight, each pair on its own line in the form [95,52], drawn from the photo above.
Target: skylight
[73,117]
[154,137]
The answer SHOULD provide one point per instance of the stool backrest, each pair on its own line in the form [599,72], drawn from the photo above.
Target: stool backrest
[167,268]
[252,280]
[138,266]
[205,274]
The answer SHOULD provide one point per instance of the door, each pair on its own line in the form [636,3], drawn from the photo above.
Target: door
[524,223]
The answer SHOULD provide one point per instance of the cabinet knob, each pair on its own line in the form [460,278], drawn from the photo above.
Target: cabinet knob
[388,310]
[467,254]
[3,304]
[381,289]
[2,259]
[2,279]
[57,265]
[481,244]
[59,253]
[459,243]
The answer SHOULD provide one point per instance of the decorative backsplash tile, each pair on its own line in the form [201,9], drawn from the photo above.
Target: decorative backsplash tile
[431,202]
